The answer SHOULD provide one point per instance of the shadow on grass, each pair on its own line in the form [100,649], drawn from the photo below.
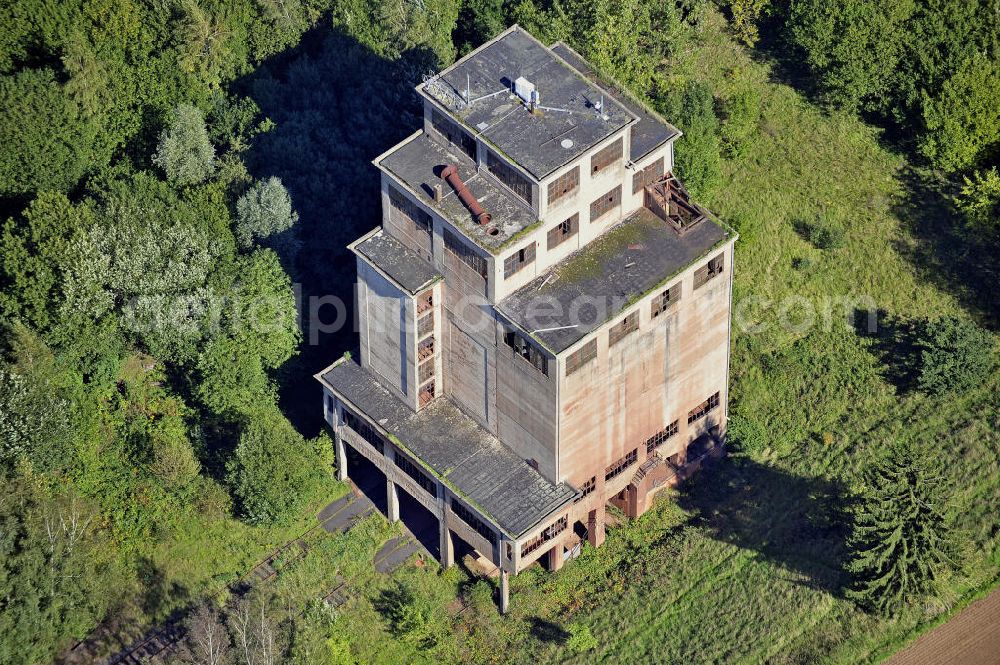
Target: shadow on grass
[336,105]
[795,522]
[946,252]
[544,630]
[895,345]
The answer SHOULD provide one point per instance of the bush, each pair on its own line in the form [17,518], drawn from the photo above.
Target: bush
[263,211]
[955,354]
[742,114]
[273,469]
[580,639]
[825,233]
[692,108]
[979,200]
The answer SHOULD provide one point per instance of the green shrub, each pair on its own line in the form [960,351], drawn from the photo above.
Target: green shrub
[691,107]
[184,151]
[741,112]
[955,354]
[580,638]
[825,233]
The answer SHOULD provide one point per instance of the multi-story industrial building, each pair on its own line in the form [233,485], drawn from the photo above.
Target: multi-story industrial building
[544,314]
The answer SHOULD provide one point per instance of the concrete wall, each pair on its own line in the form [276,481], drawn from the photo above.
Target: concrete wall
[385,315]
[638,386]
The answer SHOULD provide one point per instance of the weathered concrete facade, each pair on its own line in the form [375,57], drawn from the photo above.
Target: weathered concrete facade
[544,315]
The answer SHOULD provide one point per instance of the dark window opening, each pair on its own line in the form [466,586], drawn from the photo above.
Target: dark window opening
[364,430]
[408,213]
[703,409]
[658,439]
[620,465]
[469,518]
[525,349]
[518,260]
[588,487]
[414,472]
[545,536]
[426,394]
[563,230]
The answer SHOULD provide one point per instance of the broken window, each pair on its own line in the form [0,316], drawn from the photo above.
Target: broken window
[588,487]
[620,465]
[620,330]
[581,356]
[364,430]
[605,158]
[426,394]
[545,536]
[469,518]
[711,269]
[563,230]
[518,260]
[658,439]
[663,301]
[564,186]
[702,410]
[605,204]
[522,347]
[413,471]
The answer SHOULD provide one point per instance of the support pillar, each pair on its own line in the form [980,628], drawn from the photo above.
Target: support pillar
[392,500]
[341,456]
[447,545]
[595,526]
[504,591]
[556,557]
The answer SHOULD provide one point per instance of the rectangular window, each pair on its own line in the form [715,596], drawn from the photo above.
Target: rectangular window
[522,347]
[563,230]
[711,269]
[408,213]
[618,467]
[588,487]
[605,158]
[518,260]
[453,133]
[647,176]
[620,330]
[605,204]
[663,301]
[469,518]
[703,409]
[413,471]
[658,439]
[425,326]
[545,536]
[581,356]
[460,249]
[426,372]
[426,394]
[509,176]
[425,301]
[364,430]
[564,186]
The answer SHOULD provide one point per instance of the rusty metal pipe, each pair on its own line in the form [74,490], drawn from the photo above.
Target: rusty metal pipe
[450,174]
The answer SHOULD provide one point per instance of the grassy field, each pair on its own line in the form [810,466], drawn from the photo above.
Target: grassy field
[745,563]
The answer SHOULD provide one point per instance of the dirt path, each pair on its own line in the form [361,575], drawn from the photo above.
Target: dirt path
[972,637]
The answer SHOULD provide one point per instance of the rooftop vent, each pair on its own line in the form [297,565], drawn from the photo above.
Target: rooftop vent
[526,90]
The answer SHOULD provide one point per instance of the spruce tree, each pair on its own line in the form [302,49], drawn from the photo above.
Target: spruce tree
[900,540]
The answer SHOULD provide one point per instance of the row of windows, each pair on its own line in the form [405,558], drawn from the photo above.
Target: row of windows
[414,472]
[469,518]
[364,430]
[459,248]
[526,350]
[620,465]
[658,439]
[509,176]
[703,409]
[402,209]
[545,536]
[453,133]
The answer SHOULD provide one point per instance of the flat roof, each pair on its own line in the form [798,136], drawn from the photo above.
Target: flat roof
[594,284]
[567,123]
[482,471]
[649,132]
[418,161]
[403,266]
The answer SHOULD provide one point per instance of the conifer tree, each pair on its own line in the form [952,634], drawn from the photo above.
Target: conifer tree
[900,542]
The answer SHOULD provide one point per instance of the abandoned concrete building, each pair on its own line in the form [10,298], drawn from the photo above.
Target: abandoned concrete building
[544,314]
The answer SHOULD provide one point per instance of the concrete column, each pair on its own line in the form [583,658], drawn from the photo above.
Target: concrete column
[556,557]
[595,526]
[392,500]
[447,545]
[341,455]
[504,592]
